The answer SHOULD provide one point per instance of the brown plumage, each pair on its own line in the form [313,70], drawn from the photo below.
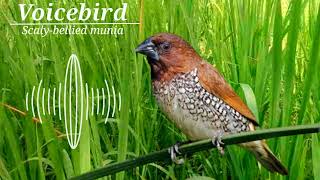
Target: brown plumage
[193,94]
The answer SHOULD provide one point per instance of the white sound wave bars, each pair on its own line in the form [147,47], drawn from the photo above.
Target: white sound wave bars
[73,102]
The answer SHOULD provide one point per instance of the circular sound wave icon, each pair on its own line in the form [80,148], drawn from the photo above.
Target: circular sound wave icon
[71,102]
[73,69]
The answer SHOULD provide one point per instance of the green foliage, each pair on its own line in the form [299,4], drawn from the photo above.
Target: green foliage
[268,48]
[193,147]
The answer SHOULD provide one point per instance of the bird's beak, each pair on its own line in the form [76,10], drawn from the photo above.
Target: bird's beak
[148,48]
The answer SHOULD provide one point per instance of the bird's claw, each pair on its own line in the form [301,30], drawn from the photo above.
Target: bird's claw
[173,151]
[217,141]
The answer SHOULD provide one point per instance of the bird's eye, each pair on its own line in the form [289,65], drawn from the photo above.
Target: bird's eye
[165,46]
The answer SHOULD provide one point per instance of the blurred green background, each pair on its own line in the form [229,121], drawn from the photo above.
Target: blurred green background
[268,51]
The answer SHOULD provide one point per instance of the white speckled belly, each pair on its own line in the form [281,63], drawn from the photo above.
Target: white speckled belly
[196,112]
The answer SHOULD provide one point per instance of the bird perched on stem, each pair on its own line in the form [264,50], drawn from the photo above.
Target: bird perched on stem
[194,95]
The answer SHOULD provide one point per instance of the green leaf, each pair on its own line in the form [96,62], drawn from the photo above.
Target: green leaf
[68,167]
[316,156]
[250,99]
[200,178]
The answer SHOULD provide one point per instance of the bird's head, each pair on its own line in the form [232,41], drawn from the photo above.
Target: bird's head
[168,54]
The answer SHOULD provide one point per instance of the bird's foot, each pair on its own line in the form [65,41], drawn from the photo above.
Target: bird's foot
[216,140]
[173,151]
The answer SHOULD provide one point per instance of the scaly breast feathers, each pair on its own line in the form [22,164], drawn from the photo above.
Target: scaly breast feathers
[195,111]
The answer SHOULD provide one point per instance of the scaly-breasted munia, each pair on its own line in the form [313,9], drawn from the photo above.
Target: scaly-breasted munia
[193,95]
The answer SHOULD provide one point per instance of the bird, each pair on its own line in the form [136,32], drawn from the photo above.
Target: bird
[197,99]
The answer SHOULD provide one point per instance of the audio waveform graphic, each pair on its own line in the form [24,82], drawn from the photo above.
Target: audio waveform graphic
[73,101]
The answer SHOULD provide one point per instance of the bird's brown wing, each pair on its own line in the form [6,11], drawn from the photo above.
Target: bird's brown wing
[214,83]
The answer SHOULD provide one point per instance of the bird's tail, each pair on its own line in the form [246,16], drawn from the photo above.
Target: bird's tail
[264,155]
